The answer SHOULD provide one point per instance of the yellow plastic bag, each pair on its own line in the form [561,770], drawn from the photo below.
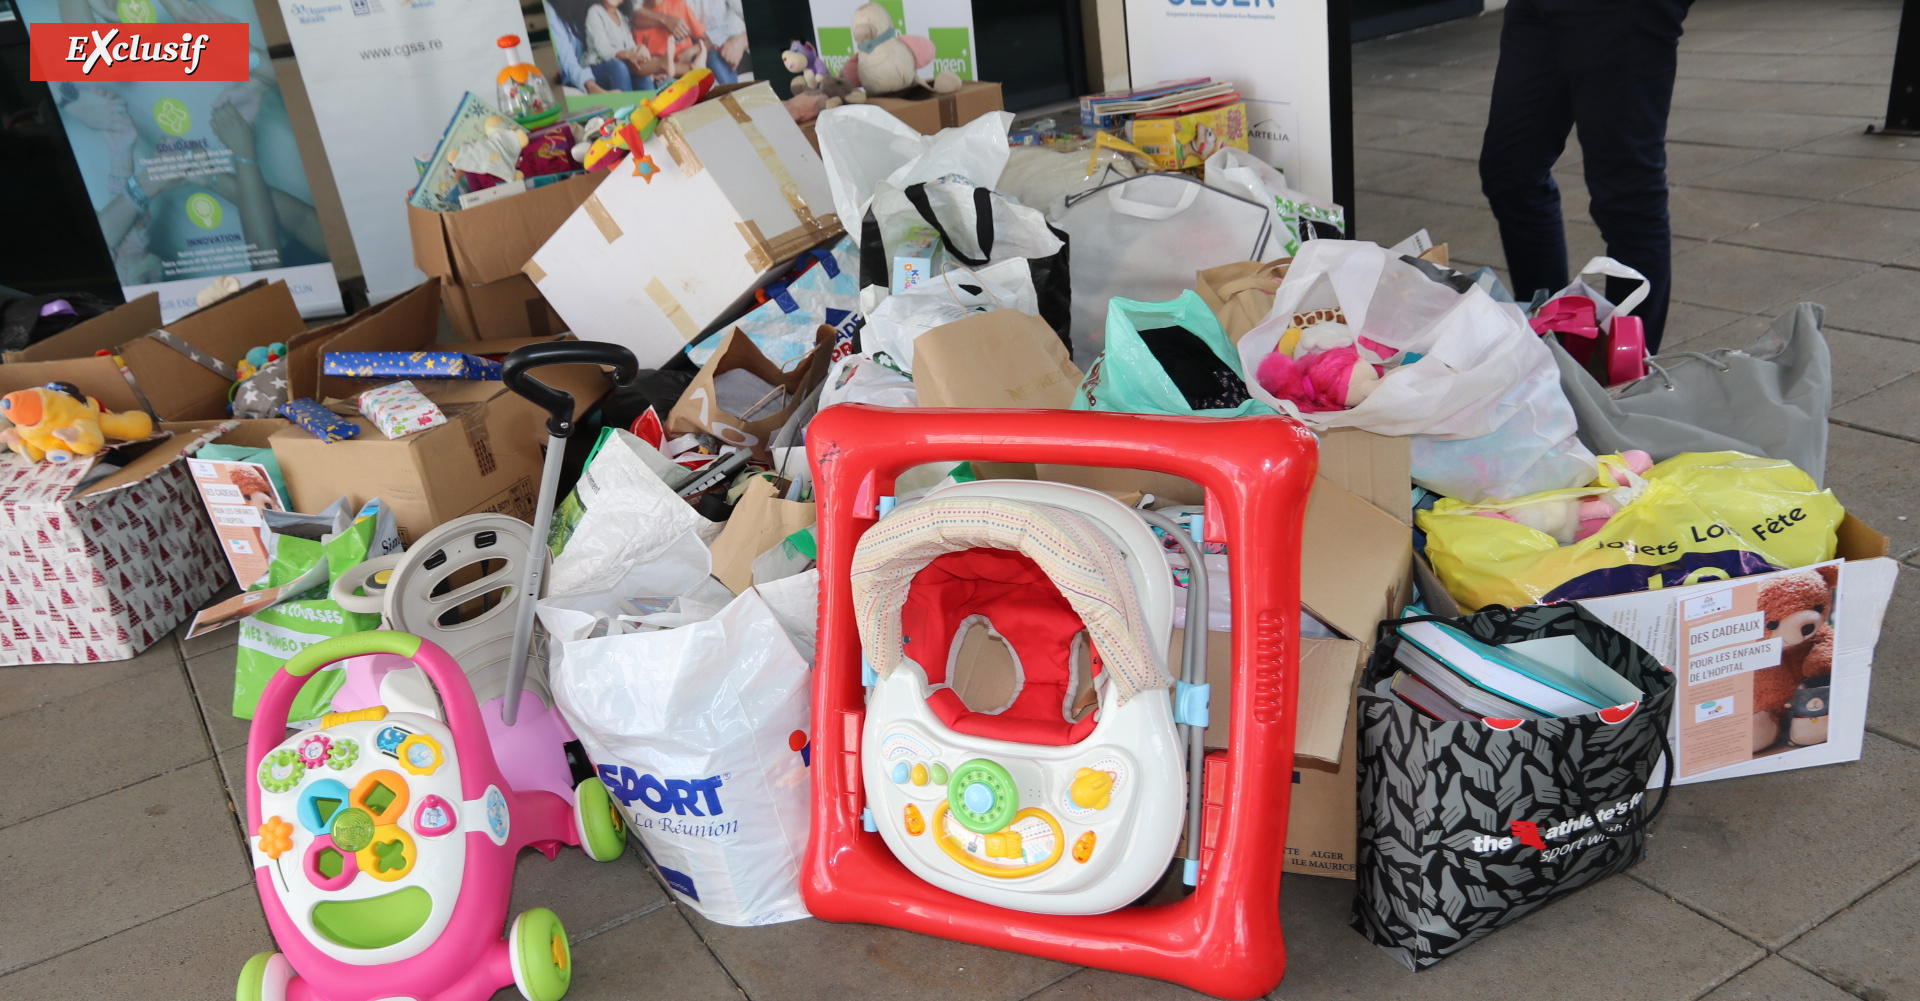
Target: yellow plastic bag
[1772,503]
[1699,517]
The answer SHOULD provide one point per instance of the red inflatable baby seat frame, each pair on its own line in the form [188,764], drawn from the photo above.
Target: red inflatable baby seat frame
[1223,938]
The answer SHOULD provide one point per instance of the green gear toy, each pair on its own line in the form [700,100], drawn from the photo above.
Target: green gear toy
[281,771]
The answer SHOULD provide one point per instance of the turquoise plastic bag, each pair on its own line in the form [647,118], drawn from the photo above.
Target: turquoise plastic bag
[1131,377]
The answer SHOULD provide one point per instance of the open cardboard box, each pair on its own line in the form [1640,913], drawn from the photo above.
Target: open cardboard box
[477,254]
[176,387]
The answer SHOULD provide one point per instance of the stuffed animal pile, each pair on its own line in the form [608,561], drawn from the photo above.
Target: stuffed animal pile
[58,423]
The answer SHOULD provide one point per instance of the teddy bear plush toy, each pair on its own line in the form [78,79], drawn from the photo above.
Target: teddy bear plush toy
[1799,610]
[889,62]
[56,422]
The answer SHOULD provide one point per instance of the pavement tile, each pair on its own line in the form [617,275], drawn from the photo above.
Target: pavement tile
[1868,948]
[1878,301]
[653,956]
[1687,322]
[1854,100]
[811,959]
[1775,979]
[1448,139]
[1455,182]
[194,952]
[1688,162]
[1749,280]
[1434,106]
[1709,214]
[1837,229]
[1723,95]
[30,686]
[589,896]
[1894,709]
[1765,129]
[1470,234]
[1714,842]
[1902,192]
[78,875]
[1803,175]
[212,675]
[1369,129]
[1859,143]
[1412,76]
[205,643]
[1894,409]
[1873,475]
[1576,949]
[1790,68]
[1697,40]
[1863,363]
[96,742]
[1103,985]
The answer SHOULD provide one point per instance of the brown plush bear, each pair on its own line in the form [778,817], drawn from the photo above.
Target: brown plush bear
[1799,610]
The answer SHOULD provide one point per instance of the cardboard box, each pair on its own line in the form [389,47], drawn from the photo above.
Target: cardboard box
[477,253]
[165,382]
[103,573]
[656,262]
[932,113]
[487,457]
[1323,827]
[1182,142]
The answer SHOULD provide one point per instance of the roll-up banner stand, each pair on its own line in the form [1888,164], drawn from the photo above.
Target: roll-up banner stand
[189,179]
[1292,62]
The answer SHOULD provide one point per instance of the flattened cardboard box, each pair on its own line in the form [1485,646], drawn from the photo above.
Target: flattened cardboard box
[655,262]
[104,573]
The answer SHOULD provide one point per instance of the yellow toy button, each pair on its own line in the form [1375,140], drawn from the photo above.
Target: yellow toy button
[1004,844]
[420,754]
[919,775]
[916,825]
[370,714]
[390,856]
[1083,848]
[1092,789]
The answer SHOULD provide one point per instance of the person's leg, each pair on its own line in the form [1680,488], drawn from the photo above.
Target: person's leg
[1527,128]
[613,75]
[722,73]
[1621,94]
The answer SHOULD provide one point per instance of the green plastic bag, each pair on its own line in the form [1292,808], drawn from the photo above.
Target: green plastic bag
[1195,371]
[269,636]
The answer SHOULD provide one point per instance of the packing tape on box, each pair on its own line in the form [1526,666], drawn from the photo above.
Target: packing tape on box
[759,251]
[602,219]
[194,354]
[534,271]
[675,313]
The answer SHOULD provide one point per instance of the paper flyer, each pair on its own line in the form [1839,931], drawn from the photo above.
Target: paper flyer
[241,605]
[193,180]
[235,493]
[1771,671]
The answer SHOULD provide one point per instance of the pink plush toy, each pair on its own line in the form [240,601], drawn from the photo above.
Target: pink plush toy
[1573,519]
[1334,379]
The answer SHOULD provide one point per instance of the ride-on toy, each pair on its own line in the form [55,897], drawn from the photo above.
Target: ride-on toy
[383,846]
[989,868]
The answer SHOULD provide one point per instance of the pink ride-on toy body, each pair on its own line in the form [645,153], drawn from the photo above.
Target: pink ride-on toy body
[383,846]
[1223,938]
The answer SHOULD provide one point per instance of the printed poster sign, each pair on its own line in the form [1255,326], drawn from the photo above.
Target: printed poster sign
[235,493]
[190,179]
[948,24]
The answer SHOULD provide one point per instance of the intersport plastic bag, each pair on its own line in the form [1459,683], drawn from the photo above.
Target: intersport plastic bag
[827,293]
[1166,358]
[693,731]
[1700,517]
[1477,371]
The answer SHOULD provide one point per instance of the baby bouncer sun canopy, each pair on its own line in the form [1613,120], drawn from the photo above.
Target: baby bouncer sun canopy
[1079,559]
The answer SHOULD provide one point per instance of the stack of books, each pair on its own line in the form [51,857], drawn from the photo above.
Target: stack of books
[1165,99]
[1449,676]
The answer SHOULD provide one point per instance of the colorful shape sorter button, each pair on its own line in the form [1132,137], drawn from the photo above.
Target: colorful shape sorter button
[276,837]
[352,829]
[420,754]
[383,794]
[390,855]
[343,754]
[281,771]
[436,817]
[327,867]
[319,802]
[314,750]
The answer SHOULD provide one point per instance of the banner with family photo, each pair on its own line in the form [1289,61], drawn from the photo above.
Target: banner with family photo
[948,24]
[629,45]
[192,181]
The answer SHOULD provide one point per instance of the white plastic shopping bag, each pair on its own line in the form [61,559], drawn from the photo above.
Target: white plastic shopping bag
[1291,211]
[948,297]
[863,145]
[1471,368]
[693,731]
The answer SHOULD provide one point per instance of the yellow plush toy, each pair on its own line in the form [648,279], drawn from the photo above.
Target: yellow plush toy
[56,423]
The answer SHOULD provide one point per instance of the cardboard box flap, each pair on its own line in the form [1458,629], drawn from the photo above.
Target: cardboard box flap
[1859,540]
[97,377]
[182,389]
[109,330]
[407,322]
[1327,671]
[152,455]
[1353,558]
[430,251]
[1377,468]
[494,240]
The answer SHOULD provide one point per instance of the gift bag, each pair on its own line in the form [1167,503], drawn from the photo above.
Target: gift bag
[974,226]
[742,397]
[1166,358]
[1466,827]
[1241,294]
[1769,398]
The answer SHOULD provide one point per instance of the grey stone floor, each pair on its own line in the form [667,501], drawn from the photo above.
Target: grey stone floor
[121,859]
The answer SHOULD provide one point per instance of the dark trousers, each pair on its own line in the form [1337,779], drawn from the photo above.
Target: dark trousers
[1606,68]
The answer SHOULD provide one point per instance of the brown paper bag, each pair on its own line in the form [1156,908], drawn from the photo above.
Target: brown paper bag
[700,407]
[1241,293]
[1001,358]
[760,520]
